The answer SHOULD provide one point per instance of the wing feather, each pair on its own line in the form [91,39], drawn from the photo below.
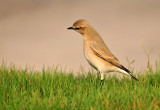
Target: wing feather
[105,54]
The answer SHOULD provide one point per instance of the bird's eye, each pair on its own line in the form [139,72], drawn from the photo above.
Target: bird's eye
[76,28]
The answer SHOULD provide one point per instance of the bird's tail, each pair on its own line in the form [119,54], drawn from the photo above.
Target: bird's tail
[133,77]
[129,73]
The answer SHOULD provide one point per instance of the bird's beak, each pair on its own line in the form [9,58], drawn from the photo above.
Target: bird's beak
[70,28]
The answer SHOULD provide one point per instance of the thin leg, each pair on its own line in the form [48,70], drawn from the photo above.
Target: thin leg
[102,77]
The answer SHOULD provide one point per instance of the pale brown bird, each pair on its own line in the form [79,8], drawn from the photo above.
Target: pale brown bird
[96,52]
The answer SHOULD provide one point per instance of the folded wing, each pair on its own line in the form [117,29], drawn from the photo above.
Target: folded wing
[106,55]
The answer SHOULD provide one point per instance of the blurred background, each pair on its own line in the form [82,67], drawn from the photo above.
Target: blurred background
[34,32]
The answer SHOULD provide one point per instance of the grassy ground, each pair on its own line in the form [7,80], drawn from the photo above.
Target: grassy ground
[21,89]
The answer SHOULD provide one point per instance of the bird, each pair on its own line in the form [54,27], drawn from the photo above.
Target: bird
[96,52]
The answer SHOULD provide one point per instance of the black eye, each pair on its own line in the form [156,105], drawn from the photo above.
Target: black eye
[76,28]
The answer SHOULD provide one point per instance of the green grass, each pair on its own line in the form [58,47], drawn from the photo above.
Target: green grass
[50,89]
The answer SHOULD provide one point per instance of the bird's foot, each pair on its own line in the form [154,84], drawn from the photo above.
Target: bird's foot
[101,83]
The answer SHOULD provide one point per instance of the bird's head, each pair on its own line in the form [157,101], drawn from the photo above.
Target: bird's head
[80,26]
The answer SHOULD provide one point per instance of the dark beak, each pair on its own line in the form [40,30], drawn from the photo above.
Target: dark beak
[70,28]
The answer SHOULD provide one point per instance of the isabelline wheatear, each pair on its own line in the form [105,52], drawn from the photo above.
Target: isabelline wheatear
[96,52]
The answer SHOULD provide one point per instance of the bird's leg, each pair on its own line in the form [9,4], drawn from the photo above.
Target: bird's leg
[102,77]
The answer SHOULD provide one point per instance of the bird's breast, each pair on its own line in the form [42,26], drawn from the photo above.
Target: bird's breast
[95,61]
[89,55]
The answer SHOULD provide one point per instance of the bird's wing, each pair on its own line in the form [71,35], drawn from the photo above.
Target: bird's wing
[104,53]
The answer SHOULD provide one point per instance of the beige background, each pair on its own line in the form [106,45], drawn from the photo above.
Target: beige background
[34,32]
